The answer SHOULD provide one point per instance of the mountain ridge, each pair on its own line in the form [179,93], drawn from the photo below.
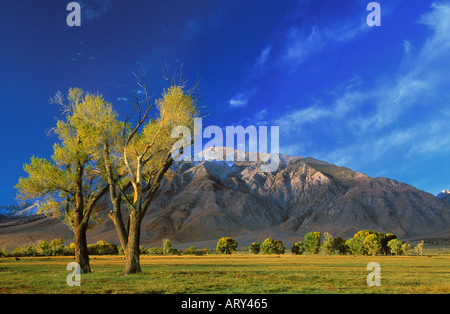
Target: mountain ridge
[203,201]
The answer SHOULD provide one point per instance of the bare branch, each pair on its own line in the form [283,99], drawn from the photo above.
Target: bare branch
[172,78]
[59,100]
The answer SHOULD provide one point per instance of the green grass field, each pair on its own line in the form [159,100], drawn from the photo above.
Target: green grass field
[236,274]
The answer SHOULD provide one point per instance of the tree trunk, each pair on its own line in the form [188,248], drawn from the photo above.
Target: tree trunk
[81,252]
[116,217]
[79,227]
[132,252]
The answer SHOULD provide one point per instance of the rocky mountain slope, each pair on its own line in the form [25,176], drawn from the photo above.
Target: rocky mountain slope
[204,201]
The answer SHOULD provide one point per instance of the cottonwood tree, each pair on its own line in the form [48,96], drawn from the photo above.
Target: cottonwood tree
[136,160]
[167,246]
[395,246]
[313,241]
[405,248]
[372,244]
[419,248]
[255,248]
[271,246]
[328,246]
[226,245]
[68,185]
[298,248]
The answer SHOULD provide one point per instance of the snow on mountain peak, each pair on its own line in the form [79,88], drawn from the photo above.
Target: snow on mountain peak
[443,194]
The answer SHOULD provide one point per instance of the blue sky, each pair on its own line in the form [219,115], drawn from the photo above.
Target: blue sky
[374,99]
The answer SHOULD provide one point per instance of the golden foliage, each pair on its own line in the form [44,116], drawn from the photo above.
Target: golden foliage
[90,138]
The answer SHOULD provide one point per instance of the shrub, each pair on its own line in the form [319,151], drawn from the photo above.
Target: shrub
[92,249]
[298,248]
[43,248]
[17,252]
[102,248]
[192,250]
[26,250]
[70,250]
[3,253]
[209,251]
[255,248]
[105,248]
[271,246]
[56,247]
[156,251]
[143,250]
[340,246]
[173,251]
[226,246]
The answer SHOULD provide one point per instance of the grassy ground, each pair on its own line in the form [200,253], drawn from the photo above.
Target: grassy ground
[241,273]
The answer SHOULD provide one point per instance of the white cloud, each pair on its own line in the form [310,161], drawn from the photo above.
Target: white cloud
[292,121]
[407,46]
[425,77]
[263,57]
[241,99]
[261,115]
[438,21]
[346,98]
[300,44]
[238,101]
[401,116]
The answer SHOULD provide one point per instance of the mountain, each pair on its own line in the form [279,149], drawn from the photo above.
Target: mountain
[444,195]
[212,199]
[9,211]
[203,201]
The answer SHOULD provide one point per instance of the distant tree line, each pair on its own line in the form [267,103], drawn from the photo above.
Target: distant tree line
[364,242]
[56,247]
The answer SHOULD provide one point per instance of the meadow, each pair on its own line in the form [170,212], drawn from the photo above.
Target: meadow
[236,274]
